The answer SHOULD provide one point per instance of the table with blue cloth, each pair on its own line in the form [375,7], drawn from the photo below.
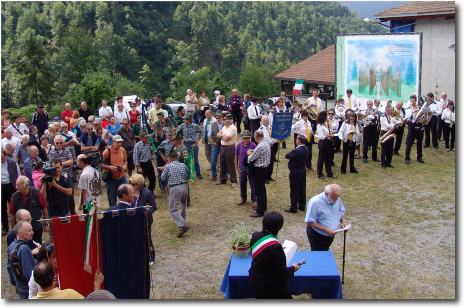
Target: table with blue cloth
[319,277]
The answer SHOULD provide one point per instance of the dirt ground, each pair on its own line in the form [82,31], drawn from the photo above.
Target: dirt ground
[401,246]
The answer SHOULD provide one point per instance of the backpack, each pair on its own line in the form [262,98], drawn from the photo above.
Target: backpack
[16,265]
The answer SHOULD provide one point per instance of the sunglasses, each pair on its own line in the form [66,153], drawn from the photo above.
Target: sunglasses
[58,142]
[133,184]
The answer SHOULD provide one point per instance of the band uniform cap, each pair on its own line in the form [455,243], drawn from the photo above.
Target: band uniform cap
[143,133]
[187,116]
[117,138]
[246,134]
[219,113]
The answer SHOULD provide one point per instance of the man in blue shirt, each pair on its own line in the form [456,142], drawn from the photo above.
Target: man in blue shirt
[324,214]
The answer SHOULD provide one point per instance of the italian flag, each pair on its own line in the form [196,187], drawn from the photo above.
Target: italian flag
[262,244]
[89,249]
[298,89]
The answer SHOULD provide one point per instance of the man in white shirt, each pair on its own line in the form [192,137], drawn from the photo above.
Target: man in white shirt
[217,93]
[118,100]
[315,101]
[303,127]
[387,122]
[85,181]
[18,129]
[120,113]
[266,129]
[351,102]
[442,105]
[254,116]
[104,110]
[9,138]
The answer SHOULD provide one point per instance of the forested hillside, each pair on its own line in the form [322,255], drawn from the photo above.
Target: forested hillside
[54,52]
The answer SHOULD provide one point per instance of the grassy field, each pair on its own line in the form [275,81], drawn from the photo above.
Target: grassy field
[402,245]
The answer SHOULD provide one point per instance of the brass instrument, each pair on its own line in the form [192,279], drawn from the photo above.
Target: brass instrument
[388,135]
[367,120]
[425,114]
[397,115]
[312,113]
[340,112]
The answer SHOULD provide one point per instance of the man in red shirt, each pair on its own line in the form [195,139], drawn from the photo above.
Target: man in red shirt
[66,115]
[30,199]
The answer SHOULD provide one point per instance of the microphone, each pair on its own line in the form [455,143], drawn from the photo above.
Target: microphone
[303,261]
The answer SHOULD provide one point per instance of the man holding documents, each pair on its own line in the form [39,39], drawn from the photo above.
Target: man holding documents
[324,213]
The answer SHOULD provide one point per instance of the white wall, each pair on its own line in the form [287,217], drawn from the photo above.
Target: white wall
[438,61]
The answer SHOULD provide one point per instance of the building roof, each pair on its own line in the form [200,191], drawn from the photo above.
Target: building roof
[419,9]
[319,68]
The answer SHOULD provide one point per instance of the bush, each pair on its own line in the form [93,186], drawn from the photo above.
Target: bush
[27,110]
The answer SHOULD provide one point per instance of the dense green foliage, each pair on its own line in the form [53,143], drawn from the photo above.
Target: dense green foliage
[54,52]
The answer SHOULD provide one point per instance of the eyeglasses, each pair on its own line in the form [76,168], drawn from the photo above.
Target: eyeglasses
[58,142]
[331,113]
[133,184]
[125,124]
[90,121]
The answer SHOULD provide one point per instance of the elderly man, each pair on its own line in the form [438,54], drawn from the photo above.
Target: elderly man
[297,165]
[89,140]
[228,136]
[120,113]
[215,142]
[18,129]
[118,100]
[142,159]
[84,111]
[273,145]
[30,199]
[192,133]
[399,130]
[324,214]
[236,104]
[192,106]
[62,154]
[242,169]
[10,149]
[126,197]
[9,138]
[21,153]
[10,173]
[23,215]
[66,115]
[40,120]
[33,152]
[128,144]
[115,162]
[176,174]
[33,133]
[207,123]
[104,110]
[85,181]
[24,233]
[259,159]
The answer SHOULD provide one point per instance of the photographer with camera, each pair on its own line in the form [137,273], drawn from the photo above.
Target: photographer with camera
[57,187]
[85,180]
[115,163]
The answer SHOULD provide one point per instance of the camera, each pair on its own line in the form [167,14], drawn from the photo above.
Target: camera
[48,177]
[94,159]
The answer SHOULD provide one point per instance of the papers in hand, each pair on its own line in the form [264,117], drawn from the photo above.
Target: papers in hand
[289,249]
[344,229]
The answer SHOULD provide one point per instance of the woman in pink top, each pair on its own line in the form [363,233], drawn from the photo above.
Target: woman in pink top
[37,174]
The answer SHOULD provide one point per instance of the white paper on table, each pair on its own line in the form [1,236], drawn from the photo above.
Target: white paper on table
[344,229]
[289,249]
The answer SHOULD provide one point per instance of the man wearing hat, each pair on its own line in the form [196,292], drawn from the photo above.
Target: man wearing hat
[179,148]
[18,129]
[128,135]
[254,115]
[142,159]
[207,123]
[167,124]
[166,146]
[115,162]
[215,142]
[242,169]
[40,120]
[177,174]
[158,137]
[228,135]
[191,133]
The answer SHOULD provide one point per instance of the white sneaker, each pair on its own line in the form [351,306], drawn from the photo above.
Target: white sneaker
[234,185]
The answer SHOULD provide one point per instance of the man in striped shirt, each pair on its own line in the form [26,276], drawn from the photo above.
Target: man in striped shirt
[142,159]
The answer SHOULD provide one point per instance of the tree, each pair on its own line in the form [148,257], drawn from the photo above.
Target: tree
[257,81]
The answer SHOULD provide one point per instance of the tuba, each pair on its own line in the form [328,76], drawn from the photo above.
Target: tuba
[425,114]
[340,112]
[312,113]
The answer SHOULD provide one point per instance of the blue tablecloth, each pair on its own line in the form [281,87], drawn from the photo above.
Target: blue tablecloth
[319,277]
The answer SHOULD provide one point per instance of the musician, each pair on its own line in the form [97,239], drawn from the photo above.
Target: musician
[415,132]
[379,114]
[432,126]
[369,135]
[442,105]
[400,129]
[348,132]
[333,126]
[325,146]
[448,118]
[350,101]
[303,127]
[387,122]
[340,120]
[316,102]
[254,115]
[296,118]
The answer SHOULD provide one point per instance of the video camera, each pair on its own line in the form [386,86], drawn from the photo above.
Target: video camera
[48,170]
[94,159]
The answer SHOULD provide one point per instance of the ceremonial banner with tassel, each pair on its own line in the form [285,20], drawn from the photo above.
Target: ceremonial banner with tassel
[190,162]
[88,236]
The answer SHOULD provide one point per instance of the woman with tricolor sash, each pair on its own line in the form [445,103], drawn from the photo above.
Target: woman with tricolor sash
[269,272]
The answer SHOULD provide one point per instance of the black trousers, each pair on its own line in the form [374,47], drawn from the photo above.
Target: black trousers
[432,126]
[440,127]
[297,191]
[294,139]
[399,139]
[237,114]
[349,148]
[7,191]
[317,241]
[414,133]
[270,168]
[271,293]
[254,125]
[37,237]
[370,139]
[447,131]
[337,144]
[149,171]
[386,152]
[71,203]
[325,157]
[259,178]
[309,145]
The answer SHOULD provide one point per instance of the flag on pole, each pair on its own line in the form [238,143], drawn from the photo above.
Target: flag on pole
[152,144]
[88,237]
[298,89]
[190,162]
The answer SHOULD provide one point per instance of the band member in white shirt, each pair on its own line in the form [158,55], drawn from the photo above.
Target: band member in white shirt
[387,122]
[432,126]
[296,118]
[415,132]
[303,127]
[340,120]
[316,104]
[369,135]
[442,105]
[333,126]
[448,118]
[399,130]
[348,133]
[254,116]
[325,146]
[351,102]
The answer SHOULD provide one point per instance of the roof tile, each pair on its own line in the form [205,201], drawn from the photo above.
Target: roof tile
[419,8]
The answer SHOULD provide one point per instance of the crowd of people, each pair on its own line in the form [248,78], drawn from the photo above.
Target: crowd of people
[41,160]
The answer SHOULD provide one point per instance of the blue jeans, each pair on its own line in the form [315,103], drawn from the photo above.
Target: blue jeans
[196,118]
[214,158]
[112,189]
[195,155]
[159,163]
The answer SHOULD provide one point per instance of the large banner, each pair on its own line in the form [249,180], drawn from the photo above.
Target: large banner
[281,125]
[385,67]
